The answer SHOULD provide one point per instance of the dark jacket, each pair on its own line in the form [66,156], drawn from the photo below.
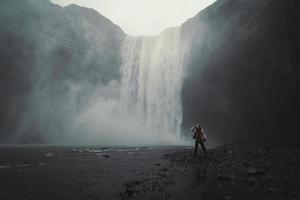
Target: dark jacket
[199,134]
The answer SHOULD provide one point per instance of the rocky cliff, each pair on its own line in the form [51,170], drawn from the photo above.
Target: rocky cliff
[44,49]
[243,71]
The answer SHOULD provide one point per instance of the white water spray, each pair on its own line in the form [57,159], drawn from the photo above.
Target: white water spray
[144,108]
[152,77]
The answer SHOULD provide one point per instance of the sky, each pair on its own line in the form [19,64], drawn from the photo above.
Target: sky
[143,17]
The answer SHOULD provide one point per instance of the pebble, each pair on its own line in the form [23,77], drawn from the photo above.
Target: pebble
[4,166]
[49,154]
[106,156]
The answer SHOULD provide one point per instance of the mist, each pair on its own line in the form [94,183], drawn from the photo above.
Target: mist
[71,76]
[93,84]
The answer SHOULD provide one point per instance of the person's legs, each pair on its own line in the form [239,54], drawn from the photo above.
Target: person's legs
[203,147]
[196,147]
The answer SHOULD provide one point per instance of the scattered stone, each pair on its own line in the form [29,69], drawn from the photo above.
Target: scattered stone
[164,169]
[257,155]
[245,164]
[106,156]
[41,164]
[130,190]
[252,180]
[4,166]
[162,175]
[223,177]
[49,154]
[25,164]
[273,189]
[93,151]
[165,194]
[228,197]
[254,171]
[228,151]
[201,189]
[187,159]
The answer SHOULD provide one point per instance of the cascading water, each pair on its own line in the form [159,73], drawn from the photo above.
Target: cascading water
[145,107]
[152,77]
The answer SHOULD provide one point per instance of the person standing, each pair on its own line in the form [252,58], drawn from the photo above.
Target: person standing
[200,138]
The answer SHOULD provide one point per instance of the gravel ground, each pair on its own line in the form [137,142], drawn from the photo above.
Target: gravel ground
[237,171]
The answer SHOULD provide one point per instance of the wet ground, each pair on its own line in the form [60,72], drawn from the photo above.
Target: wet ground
[245,171]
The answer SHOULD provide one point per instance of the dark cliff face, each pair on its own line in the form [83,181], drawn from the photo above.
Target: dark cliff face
[44,48]
[243,71]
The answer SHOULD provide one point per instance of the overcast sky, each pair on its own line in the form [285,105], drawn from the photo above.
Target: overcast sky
[144,17]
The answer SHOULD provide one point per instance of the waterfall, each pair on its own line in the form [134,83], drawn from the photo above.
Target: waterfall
[144,107]
[152,77]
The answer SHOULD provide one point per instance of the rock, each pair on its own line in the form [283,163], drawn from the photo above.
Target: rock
[41,164]
[223,177]
[273,189]
[131,184]
[164,169]
[165,194]
[228,197]
[254,171]
[245,164]
[130,190]
[25,164]
[136,182]
[228,151]
[252,180]
[4,166]
[162,175]
[93,151]
[49,154]
[201,189]
[73,150]
[106,156]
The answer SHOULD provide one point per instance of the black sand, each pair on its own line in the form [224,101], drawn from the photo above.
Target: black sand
[268,171]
